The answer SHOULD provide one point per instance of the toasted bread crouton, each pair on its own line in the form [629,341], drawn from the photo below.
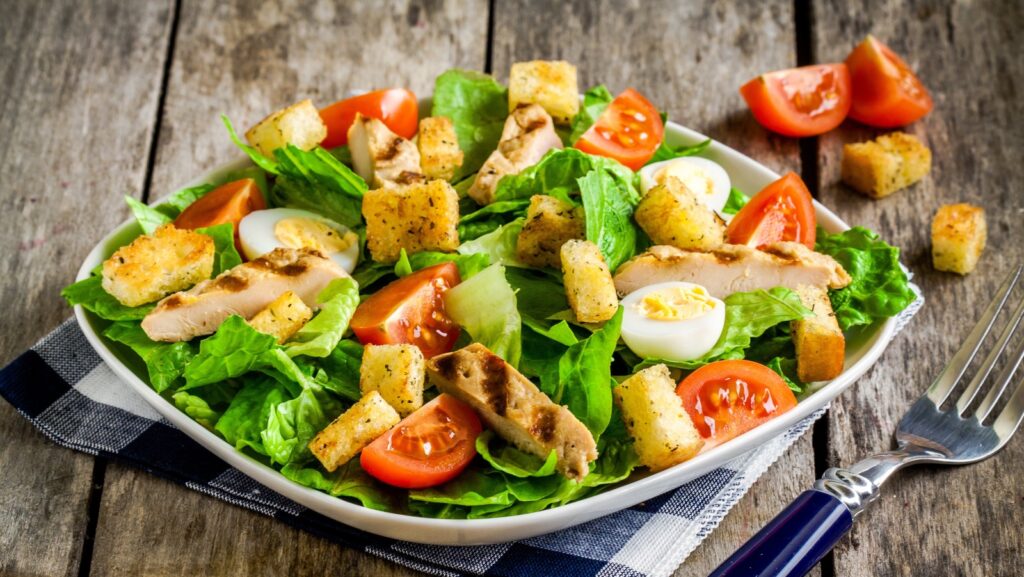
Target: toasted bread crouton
[959,234]
[357,427]
[820,345]
[549,223]
[283,317]
[672,215]
[440,154]
[662,431]
[396,372]
[588,282]
[882,166]
[156,265]
[299,125]
[417,217]
[551,84]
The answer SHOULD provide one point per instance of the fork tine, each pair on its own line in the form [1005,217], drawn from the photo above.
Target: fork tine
[1006,424]
[1002,381]
[990,361]
[950,375]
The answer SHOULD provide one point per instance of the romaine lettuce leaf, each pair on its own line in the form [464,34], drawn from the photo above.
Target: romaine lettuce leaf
[233,350]
[317,181]
[342,369]
[735,202]
[348,481]
[292,424]
[485,306]
[538,295]
[511,460]
[477,106]
[498,246]
[666,152]
[317,338]
[197,408]
[468,264]
[880,288]
[249,411]
[225,254]
[595,101]
[165,362]
[89,293]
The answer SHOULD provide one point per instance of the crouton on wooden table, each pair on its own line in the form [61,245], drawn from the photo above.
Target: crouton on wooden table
[885,165]
[959,234]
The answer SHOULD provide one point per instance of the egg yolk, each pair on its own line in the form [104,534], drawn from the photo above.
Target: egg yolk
[694,177]
[676,304]
[300,232]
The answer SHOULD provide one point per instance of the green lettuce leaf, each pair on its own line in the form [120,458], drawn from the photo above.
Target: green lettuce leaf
[317,338]
[786,368]
[165,362]
[498,246]
[880,288]
[225,253]
[735,202]
[595,101]
[666,152]
[538,295]
[197,408]
[148,217]
[485,306]
[477,106]
[342,369]
[348,481]
[234,350]
[247,416]
[468,264]
[89,293]
[512,461]
[317,181]
[292,424]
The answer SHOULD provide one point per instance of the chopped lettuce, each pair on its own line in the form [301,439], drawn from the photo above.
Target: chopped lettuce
[197,408]
[477,106]
[468,264]
[165,362]
[292,424]
[225,254]
[348,481]
[786,368]
[342,370]
[247,415]
[485,306]
[317,338]
[880,288]
[595,101]
[510,460]
[317,181]
[735,202]
[666,152]
[89,293]
[232,351]
[499,246]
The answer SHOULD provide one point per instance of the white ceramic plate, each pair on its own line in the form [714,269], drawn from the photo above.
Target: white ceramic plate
[746,174]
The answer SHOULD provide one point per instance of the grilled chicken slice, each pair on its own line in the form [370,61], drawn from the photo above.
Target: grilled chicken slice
[380,156]
[528,135]
[514,407]
[244,290]
[732,268]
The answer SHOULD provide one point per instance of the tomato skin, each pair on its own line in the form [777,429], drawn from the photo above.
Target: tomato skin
[804,101]
[735,396]
[396,107]
[410,310]
[629,131]
[886,92]
[229,202]
[782,211]
[398,459]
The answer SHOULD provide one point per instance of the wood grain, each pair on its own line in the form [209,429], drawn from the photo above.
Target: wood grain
[248,60]
[937,521]
[715,48]
[80,83]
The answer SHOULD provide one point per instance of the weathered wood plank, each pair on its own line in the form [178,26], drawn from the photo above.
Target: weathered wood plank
[77,110]
[247,61]
[935,521]
[689,58]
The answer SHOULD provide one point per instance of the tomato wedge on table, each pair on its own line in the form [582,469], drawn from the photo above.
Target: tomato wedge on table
[783,211]
[229,202]
[410,310]
[728,398]
[429,447]
[804,101]
[629,130]
[886,92]
[395,107]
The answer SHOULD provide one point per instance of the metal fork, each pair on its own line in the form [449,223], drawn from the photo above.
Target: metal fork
[797,539]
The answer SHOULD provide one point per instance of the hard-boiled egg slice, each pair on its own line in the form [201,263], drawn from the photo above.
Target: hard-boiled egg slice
[264,230]
[706,178]
[675,321]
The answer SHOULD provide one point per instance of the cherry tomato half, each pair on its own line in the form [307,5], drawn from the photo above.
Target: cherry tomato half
[229,202]
[429,447]
[629,130]
[804,101]
[783,211]
[395,107]
[886,92]
[728,398]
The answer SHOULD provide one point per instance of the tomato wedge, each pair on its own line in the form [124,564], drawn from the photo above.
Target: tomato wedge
[728,398]
[410,310]
[804,101]
[229,202]
[783,211]
[629,130]
[427,448]
[396,107]
[886,92]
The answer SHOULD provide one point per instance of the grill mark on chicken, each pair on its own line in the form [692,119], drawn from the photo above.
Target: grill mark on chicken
[445,366]
[174,301]
[229,283]
[392,149]
[544,424]
[494,384]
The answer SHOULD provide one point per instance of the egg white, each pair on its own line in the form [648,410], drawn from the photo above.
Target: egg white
[673,340]
[257,237]
[714,178]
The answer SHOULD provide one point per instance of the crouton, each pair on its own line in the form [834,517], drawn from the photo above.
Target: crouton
[672,215]
[357,427]
[440,154]
[283,317]
[588,282]
[662,431]
[889,163]
[820,345]
[549,84]
[416,217]
[154,266]
[396,372]
[959,233]
[549,223]
[299,125]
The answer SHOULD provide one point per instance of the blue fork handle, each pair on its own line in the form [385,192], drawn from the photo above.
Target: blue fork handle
[794,541]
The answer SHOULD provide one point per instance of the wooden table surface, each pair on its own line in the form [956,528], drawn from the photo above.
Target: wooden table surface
[102,98]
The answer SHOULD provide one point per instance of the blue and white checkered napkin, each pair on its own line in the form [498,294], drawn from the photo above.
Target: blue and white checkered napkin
[69,394]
